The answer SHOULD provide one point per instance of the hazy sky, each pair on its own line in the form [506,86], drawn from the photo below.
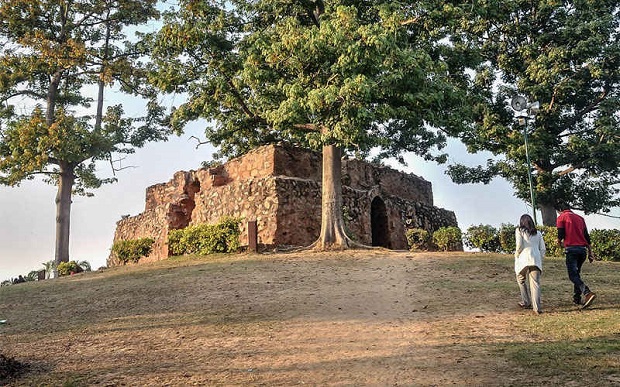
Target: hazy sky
[27,229]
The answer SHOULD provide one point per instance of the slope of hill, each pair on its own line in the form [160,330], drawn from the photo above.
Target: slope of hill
[348,318]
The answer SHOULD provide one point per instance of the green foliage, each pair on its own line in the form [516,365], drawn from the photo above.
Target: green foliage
[358,75]
[550,236]
[132,250]
[203,239]
[50,53]
[419,239]
[33,275]
[49,267]
[66,268]
[85,265]
[507,238]
[606,244]
[483,237]
[563,54]
[448,239]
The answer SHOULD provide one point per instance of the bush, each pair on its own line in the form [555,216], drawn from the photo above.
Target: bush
[418,239]
[550,236]
[85,265]
[606,244]
[66,268]
[507,240]
[203,239]
[132,250]
[483,237]
[448,238]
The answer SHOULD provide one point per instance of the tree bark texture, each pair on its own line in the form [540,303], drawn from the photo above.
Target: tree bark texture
[333,235]
[549,215]
[63,212]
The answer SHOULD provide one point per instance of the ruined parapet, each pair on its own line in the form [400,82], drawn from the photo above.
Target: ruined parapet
[361,175]
[169,206]
[279,187]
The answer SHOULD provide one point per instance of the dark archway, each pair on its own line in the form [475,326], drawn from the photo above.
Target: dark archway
[379,223]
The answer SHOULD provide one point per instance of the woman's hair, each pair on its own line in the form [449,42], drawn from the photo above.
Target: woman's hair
[526,223]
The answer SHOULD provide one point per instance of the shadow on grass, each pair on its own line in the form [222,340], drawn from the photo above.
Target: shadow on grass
[589,361]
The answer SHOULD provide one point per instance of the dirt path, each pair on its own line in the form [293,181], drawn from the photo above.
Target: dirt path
[367,318]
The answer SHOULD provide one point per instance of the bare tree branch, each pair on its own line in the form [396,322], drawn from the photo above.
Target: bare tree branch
[118,169]
[199,141]
[566,171]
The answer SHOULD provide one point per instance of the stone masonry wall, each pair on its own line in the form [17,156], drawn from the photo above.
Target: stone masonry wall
[360,175]
[299,211]
[251,199]
[149,224]
[279,187]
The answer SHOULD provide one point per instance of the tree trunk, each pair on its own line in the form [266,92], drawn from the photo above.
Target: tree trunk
[333,236]
[101,83]
[63,212]
[549,215]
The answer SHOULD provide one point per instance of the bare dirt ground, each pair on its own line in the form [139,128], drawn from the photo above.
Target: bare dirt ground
[355,318]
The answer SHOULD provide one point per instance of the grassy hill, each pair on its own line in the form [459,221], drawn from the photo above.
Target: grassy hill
[347,318]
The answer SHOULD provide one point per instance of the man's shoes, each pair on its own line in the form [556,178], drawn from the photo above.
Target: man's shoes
[524,306]
[577,300]
[588,299]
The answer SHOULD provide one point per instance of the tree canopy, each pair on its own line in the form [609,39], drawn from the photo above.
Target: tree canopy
[564,54]
[359,76]
[51,54]
[354,73]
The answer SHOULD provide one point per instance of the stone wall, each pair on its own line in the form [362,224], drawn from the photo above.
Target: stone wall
[251,199]
[279,187]
[360,175]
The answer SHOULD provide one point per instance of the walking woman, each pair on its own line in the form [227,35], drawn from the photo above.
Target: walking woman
[529,255]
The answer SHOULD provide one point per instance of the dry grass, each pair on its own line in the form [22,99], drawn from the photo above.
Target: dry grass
[349,318]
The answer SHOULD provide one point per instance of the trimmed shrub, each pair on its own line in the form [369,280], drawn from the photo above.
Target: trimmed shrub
[483,237]
[204,239]
[550,236]
[66,268]
[418,239]
[448,238]
[507,240]
[132,250]
[606,244]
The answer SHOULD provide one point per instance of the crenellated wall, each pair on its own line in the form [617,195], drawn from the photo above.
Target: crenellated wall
[279,187]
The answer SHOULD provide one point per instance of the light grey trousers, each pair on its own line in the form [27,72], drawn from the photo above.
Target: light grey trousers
[529,286]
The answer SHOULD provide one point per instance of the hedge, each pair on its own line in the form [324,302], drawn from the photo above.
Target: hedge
[132,250]
[204,239]
[605,243]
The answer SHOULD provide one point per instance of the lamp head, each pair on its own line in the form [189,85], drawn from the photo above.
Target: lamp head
[518,103]
[534,107]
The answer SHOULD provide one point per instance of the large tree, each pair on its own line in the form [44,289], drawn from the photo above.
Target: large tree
[337,76]
[52,54]
[566,55]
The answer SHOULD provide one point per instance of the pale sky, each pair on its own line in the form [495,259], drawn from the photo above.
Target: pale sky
[27,229]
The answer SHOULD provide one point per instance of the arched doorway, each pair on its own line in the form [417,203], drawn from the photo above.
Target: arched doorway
[379,223]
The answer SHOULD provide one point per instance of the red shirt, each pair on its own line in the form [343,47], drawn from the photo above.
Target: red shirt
[575,231]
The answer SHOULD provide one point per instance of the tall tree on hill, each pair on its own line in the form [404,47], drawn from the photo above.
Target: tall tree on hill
[566,55]
[51,53]
[341,76]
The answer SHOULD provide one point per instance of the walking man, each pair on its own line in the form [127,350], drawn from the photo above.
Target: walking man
[574,238]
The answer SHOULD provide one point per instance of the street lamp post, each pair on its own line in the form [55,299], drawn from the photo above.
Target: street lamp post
[526,111]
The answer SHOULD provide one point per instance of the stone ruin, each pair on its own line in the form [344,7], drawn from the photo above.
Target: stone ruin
[279,187]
